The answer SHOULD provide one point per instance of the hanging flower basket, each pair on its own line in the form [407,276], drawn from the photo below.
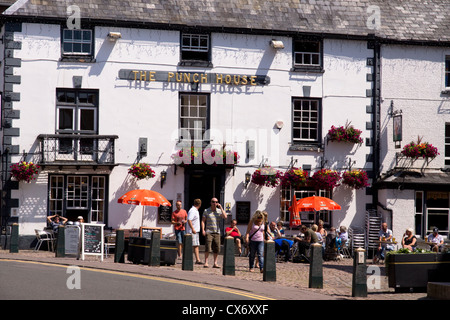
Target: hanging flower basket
[24,171]
[294,178]
[266,176]
[420,149]
[141,171]
[356,179]
[324,179]
[345,133]
[209,156]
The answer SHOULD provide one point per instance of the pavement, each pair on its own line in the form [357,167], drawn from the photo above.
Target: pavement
[291,283]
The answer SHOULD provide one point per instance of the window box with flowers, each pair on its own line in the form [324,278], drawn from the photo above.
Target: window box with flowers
[209,156]
[141,171]
[294,178]
[266,176]
[356,179]
[420,149]
[324,179]
[345,133]
[24,171]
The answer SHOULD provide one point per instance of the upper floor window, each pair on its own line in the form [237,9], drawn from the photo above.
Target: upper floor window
[447,71]
[77,43]
[195,49]
[194,116]
[306,120]
[307,54]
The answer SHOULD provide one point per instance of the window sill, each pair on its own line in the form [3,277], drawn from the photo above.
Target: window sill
[195,63]
[82,59]
[305,147]
[445,91]
[308,69]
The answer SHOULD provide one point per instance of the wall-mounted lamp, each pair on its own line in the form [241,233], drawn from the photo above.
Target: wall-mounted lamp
[279,124]
[163,177]
[277,44]
[248,177]
[113,36]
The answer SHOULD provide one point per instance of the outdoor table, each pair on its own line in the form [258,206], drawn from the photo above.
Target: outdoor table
[386,242]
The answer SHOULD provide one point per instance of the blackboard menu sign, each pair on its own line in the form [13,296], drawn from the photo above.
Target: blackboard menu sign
[72,239]
[92,239]
[243,211]
[165,214]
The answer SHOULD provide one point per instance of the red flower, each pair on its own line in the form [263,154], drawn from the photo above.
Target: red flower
[24,171]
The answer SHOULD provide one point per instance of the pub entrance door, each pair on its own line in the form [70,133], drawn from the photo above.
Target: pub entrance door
[204,184]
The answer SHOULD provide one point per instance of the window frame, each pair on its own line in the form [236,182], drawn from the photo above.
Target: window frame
[74,56]
[205,139]
[308,67]
[447,145]
[201,62]
[301,141]
[76,108]
[64,195]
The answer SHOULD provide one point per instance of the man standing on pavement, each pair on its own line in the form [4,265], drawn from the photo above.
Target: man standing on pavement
[179,218]
[193,227]
[211,230]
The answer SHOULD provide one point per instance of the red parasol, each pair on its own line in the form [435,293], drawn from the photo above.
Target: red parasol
[144,197]
[295,216]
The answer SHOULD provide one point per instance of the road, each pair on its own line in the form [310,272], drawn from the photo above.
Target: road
[21,280]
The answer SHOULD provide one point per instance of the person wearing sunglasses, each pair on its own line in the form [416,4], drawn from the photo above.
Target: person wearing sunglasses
[211,230]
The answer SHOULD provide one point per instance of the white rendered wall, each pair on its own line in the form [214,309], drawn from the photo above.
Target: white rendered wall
[133,109]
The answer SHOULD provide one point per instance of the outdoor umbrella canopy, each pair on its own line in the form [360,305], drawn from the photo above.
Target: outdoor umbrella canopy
[144,197]
[295,216]
[315,204]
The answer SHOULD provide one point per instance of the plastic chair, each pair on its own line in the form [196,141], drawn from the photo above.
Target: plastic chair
[110,242]
[43,236]
[345,250]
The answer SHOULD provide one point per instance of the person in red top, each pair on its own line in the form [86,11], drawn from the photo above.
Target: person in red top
[234,232]
[179,218]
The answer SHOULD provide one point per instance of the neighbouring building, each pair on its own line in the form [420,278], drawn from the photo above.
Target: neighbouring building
[91,88]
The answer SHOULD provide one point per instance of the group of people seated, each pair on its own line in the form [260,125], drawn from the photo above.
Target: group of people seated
[303,241]
[409,241]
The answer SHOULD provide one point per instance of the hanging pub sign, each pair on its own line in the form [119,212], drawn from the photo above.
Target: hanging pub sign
[397,121]
[193,77]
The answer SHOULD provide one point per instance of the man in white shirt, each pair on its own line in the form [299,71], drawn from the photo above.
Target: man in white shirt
[193,227]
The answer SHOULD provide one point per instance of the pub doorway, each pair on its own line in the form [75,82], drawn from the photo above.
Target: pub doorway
[204,184]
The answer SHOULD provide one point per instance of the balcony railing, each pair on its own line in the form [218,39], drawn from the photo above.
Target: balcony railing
[76,149]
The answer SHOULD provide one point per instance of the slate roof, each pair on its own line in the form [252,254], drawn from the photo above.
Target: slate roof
[421,20]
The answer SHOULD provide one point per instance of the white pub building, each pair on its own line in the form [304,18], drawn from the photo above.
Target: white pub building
[91,88]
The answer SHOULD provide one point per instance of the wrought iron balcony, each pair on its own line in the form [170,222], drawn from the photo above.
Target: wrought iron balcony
[76,149]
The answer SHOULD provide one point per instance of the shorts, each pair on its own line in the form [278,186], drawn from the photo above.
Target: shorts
[195,240]
[179,235]
[212,242]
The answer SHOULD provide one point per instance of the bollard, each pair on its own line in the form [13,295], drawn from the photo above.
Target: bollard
[188,261]
[14,245]
[270,265]
[119,253]
[228,257]
[60,251]
[155,249]
[359,281]
[316,267]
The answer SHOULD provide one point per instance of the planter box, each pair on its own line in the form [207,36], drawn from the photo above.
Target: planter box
[408,272]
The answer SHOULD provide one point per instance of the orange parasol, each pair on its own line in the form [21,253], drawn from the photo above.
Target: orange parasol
[144,197]
[315,203]
[295,216]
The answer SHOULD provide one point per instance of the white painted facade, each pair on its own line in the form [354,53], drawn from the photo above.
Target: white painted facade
[413,80]
[134,109]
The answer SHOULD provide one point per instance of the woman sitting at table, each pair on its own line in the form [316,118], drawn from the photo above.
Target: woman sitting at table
[409,240]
